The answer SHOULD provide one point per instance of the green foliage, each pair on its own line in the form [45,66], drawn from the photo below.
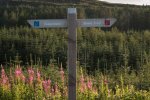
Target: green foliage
[96,48]
[118,61]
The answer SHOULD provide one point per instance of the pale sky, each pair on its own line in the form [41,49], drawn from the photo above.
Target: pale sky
[136,2]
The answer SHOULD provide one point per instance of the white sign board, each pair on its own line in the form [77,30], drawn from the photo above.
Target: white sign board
[108,22]
[47,23]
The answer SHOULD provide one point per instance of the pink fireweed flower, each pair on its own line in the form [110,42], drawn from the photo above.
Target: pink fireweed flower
[31,75]
[30,71]
[89,84]
[18,74]
[38,75]
[44,83]
[48,82]
[83,84]
[4,79]
[3,75]
[47,85]
[31,79]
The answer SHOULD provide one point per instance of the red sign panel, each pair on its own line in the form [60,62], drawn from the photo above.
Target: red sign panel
[107,22]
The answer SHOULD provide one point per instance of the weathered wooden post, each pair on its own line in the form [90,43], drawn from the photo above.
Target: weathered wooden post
[72,52]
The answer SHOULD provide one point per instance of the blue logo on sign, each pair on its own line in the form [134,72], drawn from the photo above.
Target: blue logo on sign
[36,23]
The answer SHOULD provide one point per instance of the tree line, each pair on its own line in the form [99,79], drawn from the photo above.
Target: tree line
[96,48]
[128,17]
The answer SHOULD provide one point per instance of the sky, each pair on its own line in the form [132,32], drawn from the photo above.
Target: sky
[136,2]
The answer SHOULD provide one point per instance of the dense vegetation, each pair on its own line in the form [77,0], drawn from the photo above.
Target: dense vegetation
[50,83]
[96,48]
[111,47]
[113,63]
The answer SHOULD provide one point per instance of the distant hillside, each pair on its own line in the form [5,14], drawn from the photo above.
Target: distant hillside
[16,12]
[69,2]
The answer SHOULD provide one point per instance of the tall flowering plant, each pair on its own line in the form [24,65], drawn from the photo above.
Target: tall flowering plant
[63,88]
[4,79]
[30,75]
[47,86]
[83,84]
[86,88]
[19,75]
[5,86]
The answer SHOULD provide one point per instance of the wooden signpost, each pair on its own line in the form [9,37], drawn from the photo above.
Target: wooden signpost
[72,23]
